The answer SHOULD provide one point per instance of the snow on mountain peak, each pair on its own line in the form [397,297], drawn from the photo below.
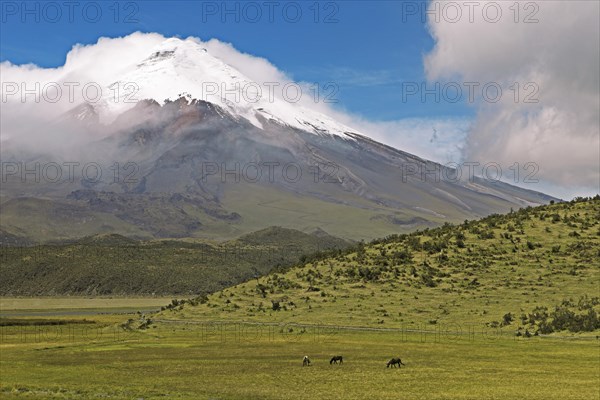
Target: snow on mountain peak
[176,68]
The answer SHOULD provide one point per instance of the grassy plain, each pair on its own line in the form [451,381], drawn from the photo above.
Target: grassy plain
[239,361]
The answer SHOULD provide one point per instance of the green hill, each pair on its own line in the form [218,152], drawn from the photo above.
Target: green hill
[276,235]
[535,269]
[116,265]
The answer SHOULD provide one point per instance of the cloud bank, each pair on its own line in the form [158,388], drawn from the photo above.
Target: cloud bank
[559,54]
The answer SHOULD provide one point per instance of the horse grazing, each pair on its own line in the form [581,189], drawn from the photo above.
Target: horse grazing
[335,359]
[306,361]
[395,362]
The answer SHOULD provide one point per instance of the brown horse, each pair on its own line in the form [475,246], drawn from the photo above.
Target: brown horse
[335,359]
[395,362]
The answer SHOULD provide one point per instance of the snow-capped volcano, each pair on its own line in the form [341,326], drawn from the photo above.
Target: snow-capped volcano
[190,139]
[178,68]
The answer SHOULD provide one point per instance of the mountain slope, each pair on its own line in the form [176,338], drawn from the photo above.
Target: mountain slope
[504,271]
[183,162]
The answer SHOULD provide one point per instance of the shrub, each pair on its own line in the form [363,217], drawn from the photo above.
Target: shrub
[507,319]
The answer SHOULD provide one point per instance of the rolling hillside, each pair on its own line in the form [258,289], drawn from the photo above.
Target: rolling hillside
[536,269]
[116,265]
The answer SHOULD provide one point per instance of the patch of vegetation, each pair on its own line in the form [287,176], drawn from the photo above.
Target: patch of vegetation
[580,316]
[115,265]
[41,321]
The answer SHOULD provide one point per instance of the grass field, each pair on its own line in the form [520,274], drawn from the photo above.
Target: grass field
[56,304]
[239,361]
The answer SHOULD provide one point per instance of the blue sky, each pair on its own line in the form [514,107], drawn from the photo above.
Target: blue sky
[364,47]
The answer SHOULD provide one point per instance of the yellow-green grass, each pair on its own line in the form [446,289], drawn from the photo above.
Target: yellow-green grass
[357,221]
[8,304]
[212,361]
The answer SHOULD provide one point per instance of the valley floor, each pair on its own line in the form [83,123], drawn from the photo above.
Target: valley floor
[75,305]
[83,359]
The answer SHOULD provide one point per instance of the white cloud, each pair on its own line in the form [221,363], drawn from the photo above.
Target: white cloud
[560,54]
[42,95]
[437,139]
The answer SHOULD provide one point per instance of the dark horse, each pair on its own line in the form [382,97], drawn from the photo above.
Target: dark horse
[306,361]
[395,362]
[335,359]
